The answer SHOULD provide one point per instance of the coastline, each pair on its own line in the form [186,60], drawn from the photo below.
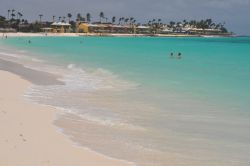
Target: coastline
[29,137]
[109,128]
[21,34]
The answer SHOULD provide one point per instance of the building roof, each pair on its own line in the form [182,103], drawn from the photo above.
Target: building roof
[200,29]
[60,24]
[167,30]
[47,28]
[143,27]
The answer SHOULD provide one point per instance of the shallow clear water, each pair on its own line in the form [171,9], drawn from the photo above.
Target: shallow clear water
[127,98]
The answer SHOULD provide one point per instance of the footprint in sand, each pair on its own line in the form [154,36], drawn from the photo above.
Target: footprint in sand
[4,112]
[46,162]
[21,135]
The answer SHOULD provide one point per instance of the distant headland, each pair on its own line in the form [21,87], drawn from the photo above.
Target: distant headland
[122,26]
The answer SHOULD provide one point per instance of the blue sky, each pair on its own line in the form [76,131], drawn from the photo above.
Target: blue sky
[234,12]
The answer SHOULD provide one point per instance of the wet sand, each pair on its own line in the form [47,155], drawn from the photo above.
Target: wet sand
[28,137]
[34,76]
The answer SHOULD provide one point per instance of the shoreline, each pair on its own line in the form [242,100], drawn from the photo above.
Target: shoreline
[29,136]
[95,129]
[42,34]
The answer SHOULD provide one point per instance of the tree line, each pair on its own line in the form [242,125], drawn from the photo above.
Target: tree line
[15,20]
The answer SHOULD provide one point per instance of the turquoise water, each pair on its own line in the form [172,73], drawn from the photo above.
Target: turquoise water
[209,66]
[196,106]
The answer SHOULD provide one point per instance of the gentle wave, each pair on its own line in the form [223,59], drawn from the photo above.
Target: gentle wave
[104,120]
[77,83]
[99,79]
[21,56]
[11,54]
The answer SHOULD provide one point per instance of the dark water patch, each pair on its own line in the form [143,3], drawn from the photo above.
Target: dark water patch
[34,76]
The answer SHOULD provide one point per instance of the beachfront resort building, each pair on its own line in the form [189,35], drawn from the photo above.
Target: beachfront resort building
[207,31]
[60,27]
[102,28]
[111,28]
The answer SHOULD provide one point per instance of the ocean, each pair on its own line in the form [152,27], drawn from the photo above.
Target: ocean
[128,98]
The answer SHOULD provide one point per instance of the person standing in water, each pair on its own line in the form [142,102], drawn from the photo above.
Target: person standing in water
[179,55]
[171,55]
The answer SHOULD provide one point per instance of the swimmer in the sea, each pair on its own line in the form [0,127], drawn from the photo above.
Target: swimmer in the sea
[171,55]
[179,55]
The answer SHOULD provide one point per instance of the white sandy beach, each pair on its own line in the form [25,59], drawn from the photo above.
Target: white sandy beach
[21,34]
[28,137]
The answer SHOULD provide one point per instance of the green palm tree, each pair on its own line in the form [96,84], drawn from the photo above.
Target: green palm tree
[123,19]
[69,16]
[12,14]
[120,19]
[213,25]
[172,23]
[88,16]
[209,22]
[59,18]
[54,18]
[64,18]
[113,19]
[78,17]
[83,19]
[19,15]
[101,15]
[126,20]
[131,19]
[40,17]
[8,14]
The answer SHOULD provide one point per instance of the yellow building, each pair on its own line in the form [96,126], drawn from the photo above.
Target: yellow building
[104,28]
[83,28]
[92,28]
